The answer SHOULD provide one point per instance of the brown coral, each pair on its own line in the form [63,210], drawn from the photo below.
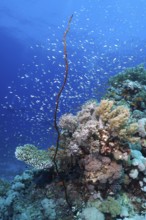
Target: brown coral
[101,169]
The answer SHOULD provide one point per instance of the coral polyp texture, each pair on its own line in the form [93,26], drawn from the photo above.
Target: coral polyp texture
[104,129]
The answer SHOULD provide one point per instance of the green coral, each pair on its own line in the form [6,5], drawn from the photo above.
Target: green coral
[111,206]
[139,101]
[129,86]
[4,187]
[137,73]
[31,155]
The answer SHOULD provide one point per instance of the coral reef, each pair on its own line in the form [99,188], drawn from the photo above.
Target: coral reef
[101,158]
[95,156]
[91,213]
[129,88]
[96,142]
[25,199]
[135,74]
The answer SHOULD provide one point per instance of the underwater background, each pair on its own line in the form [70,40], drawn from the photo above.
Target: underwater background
[105,37]
[82,157]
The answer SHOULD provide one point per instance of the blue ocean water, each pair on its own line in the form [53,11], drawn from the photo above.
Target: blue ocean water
[105,37]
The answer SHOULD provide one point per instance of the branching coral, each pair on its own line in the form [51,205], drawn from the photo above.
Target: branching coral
[118,117]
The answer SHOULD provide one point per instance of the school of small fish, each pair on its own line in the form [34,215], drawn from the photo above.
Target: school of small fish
[29,106]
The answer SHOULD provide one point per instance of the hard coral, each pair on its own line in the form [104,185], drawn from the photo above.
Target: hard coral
[31,155]
[101,170]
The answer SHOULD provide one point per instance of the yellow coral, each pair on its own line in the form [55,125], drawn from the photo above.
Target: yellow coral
[117,120]
[104,109]
[118,117]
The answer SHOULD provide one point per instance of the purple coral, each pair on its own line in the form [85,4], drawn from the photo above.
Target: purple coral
[100,169]
[68,122]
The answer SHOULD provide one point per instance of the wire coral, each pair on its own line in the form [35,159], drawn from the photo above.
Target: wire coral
[57,104]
